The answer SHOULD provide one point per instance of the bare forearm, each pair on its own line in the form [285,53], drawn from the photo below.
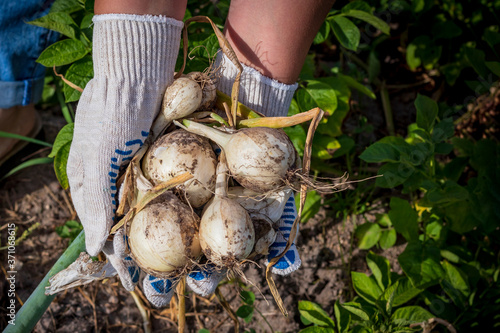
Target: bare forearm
[169,8]
[274,36]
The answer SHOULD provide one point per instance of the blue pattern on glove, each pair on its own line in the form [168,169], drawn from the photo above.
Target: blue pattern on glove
[290,261]
[133,270]
[205,280]
[119,160]
[161,286]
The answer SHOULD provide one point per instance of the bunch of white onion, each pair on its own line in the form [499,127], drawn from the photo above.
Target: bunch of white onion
[205,216]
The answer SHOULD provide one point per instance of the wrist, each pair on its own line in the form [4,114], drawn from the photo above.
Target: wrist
[136,47]
[257,91]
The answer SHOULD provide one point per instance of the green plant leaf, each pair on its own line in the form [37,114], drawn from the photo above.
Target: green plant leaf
[61,22]
[446,30]
[323,145]
[388,238]
[357,5]
[205,48]
[71,229]
[427,111]
[316,329]
[404,292]
[67,6]
[373,66]
[63,52]
[455,284]
[79,73]
[443,130]
[311,206]
[368,235]
[294,108]
[463,147]
[477,59]
[494,67]
[422,52]
[89,6]
[357,310]
[333,125]
[393,174]
[29,163]
[492,37]
[306,73]
[347,33]
[421,264]
[448,192]
[305,321]
[342,316]
[346,145]
[86,21]
[60,162]
[315,314]
[410,315]
[203,330]
[323,33]
[317,94]
[459,217]
[24,138]
[297,135]
[64,136]
[381,269]
[245,312]
[383,220]
[247,297]
[404,218]
[380,152]
[389,294]
[443,148]
[369,18]
[366,287]
[352,83]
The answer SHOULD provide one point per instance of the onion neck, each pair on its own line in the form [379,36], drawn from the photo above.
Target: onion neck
[219,137]
[221,181]
[159,125]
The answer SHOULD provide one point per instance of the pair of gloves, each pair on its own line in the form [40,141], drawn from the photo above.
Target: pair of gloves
[134,58]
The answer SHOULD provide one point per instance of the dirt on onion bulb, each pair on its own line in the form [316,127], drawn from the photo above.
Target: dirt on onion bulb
[178,152]
[226,234]
[163,237]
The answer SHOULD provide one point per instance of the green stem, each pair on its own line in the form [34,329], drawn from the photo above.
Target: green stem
[265,319]
[67,113]
[38,302]
[25,138]
[386,104]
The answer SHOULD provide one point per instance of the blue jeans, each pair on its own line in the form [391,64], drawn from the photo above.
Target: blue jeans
[21,78]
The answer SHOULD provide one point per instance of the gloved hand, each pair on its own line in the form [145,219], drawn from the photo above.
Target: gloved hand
[272,98]
[134,58]
[157,290]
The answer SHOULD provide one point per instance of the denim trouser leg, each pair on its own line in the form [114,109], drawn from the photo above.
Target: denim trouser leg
[21,78]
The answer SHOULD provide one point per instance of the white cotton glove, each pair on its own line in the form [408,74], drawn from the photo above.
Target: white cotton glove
[134,58]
